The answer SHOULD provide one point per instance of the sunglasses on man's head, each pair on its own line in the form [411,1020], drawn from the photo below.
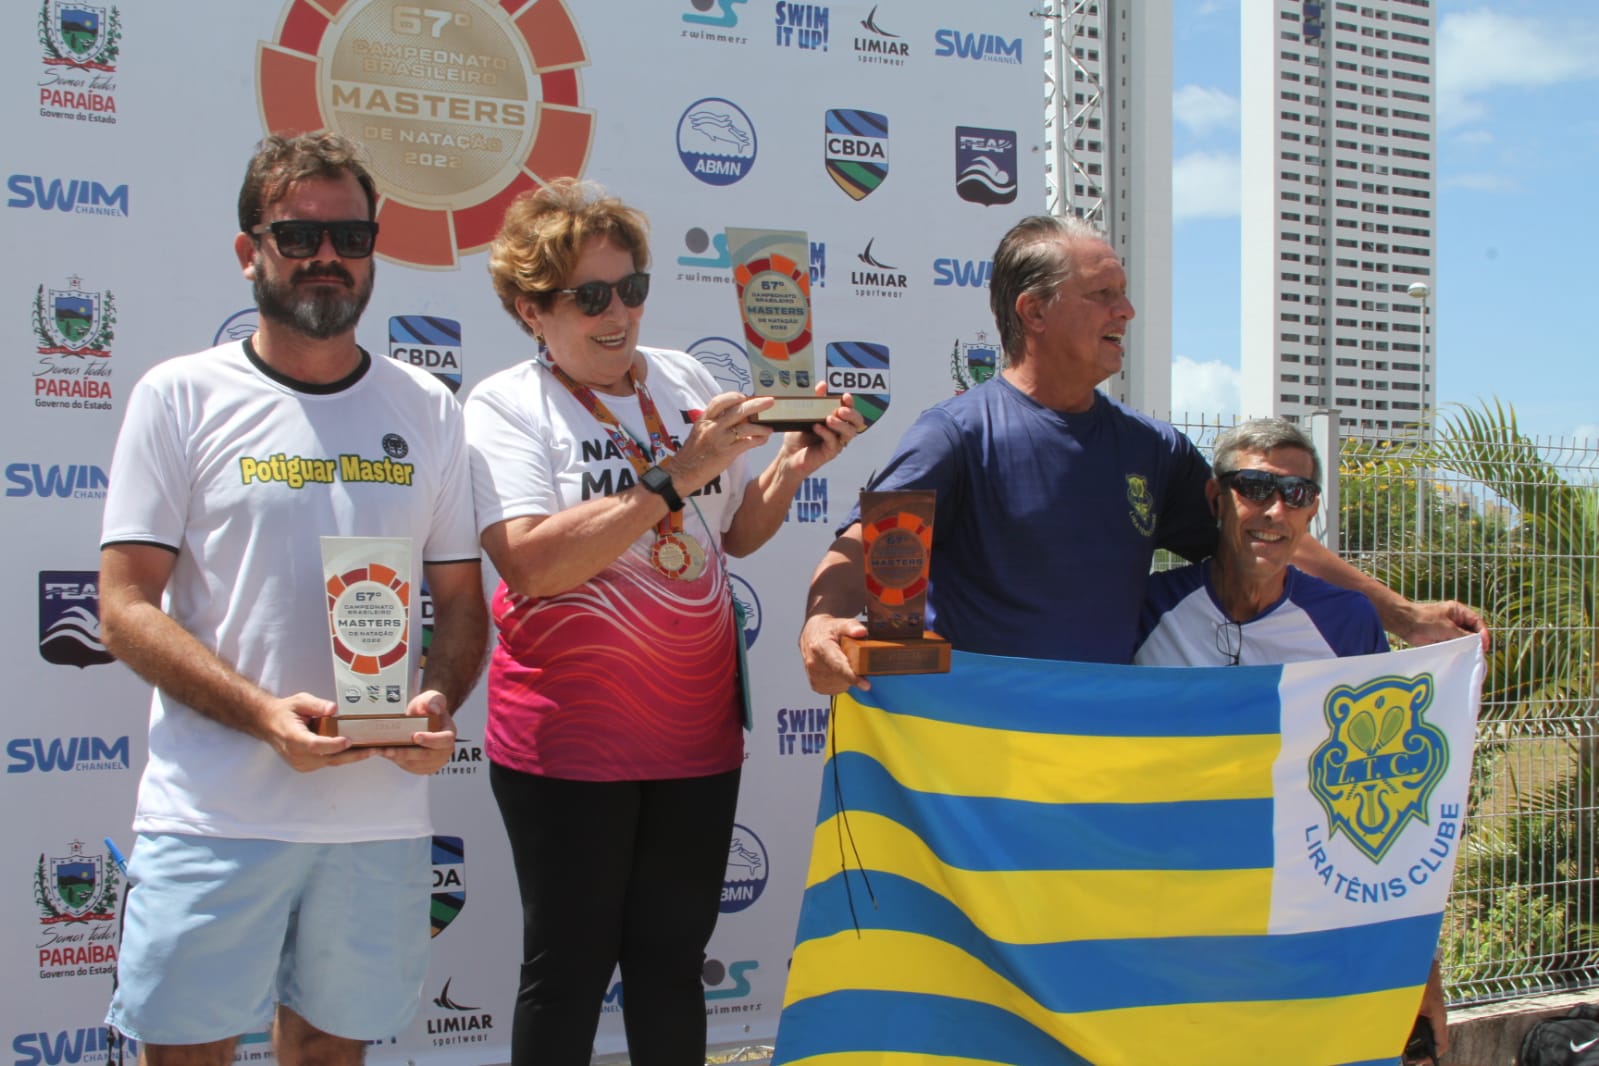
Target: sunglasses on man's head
[299,238]
[1257,486]
[593,297]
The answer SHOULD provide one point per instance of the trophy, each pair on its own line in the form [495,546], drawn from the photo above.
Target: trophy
[897,530]
[772,271]
[368,582]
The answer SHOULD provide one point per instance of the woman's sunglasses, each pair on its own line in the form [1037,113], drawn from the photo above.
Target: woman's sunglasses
[1257,486]
[299,238]
[593,297]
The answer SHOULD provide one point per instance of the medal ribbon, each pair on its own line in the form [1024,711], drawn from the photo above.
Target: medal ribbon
[621,438]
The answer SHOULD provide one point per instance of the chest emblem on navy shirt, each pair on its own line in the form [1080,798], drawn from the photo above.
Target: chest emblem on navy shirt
[1142,504]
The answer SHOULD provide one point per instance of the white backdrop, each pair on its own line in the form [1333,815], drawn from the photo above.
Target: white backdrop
[127,129]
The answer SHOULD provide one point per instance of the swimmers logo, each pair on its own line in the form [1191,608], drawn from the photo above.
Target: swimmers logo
[69,619]
[456,103]
[80,44]
[727,981]
[716,141]
[77,898]
[449,882]
[861,369]
[1378,768]
[710,19]
[453,1023]
[802,26]
[744,593]
[855,150]
[73,327]
[707,259]
[746,871]
[875,278]
[237,326]
[975,361]
[429,342]
[726,361]
[877,45]
[1141,504]
[985,165]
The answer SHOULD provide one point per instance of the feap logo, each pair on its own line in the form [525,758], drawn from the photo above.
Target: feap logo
[77,196]
[716,141]
[984,47]
[861,369]
[985,165]
[456,105]
[855,150]
[726,361]
[966,273]
[69,619]
[75,755]
[975,361]
[747,871]
[71,1046]
[449,882]
[80,44]
[878,45]
[74,329]
[802,730]
[744,593]
[810,502]
[429,342]
[77,481]
[802,26]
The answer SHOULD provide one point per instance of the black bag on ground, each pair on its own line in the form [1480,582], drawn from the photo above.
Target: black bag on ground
[1570,1040]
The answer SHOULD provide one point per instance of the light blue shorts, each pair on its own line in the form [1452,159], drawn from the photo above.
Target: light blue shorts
[217,931]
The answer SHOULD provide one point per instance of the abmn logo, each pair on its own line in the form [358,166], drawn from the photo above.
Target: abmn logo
[78,481]
[429,342]
[77,196]
[744,593]
[726,361]
[860,368]
[747,871]
[716,141]
[449,882]
[238,326]
[855,150]
[69,619]
[966,273]
[985,47]
[985,165]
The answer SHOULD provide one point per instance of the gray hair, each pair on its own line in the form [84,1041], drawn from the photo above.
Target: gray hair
[1034,257]
[1262,435]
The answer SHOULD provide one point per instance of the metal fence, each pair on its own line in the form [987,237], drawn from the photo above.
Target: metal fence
[1510,525]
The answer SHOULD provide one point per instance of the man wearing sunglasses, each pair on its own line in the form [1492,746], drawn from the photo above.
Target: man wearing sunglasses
[280,877]
[1247,605]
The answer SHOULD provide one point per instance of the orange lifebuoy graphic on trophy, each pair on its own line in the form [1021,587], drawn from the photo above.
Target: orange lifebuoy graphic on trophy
[460,104]
[368,614]
[897,548]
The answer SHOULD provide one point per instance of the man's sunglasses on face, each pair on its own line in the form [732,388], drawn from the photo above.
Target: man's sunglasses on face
[1257,486]
[299,238]
[593,297]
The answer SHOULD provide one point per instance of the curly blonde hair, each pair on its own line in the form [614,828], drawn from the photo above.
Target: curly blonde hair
[543,235]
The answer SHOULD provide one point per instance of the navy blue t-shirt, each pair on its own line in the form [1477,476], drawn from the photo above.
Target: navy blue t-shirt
[1046,522]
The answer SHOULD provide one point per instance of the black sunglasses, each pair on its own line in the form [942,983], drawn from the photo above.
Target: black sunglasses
[1257,486]
[592,297]
[299,238]
[1230,640]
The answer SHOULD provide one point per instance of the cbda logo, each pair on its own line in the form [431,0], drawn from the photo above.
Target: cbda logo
[429,342]
[449,882]
[69,618]
[966,273]
[985,165]
[79,196]
[746,871]
[861,369]
[855,150]
[716,141]
[984,47]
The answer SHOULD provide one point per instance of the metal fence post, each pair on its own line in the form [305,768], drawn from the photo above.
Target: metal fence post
[1324,433]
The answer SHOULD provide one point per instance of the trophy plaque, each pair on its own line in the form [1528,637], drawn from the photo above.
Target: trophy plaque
[772,271]
[897,531]
[368,582]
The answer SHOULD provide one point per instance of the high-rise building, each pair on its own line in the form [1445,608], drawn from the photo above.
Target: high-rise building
[1339,219]
[1107,66]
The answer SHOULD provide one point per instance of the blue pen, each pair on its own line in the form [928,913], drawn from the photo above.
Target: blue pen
[116,856]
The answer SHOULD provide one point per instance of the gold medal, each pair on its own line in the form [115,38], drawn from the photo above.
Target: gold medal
[678,556]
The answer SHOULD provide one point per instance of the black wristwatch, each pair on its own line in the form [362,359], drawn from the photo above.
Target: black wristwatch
[659,482]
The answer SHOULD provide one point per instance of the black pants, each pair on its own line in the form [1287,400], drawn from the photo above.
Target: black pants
[625,872]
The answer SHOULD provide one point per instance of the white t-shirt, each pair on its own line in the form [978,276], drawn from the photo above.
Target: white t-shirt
[241,472]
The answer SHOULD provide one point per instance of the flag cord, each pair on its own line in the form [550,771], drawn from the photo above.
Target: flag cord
[841,826]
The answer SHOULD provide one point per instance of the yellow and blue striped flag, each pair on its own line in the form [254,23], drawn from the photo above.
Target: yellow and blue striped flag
[1031,862]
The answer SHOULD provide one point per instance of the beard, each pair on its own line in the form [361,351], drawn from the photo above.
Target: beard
[320,312]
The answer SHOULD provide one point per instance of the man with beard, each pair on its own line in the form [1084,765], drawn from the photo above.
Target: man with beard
[278,875]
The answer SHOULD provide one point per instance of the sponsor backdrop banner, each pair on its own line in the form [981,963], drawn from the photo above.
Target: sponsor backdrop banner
[901,137]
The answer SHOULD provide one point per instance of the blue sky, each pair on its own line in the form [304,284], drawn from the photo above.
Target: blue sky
[1517,223]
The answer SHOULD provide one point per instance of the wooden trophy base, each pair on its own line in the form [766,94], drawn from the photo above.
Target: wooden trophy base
[926,654]
[376,730]
[792,413]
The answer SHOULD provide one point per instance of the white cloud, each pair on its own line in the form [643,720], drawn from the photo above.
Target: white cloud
[1199,389]
[1481,51]
[1203,110]
[1205,185]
